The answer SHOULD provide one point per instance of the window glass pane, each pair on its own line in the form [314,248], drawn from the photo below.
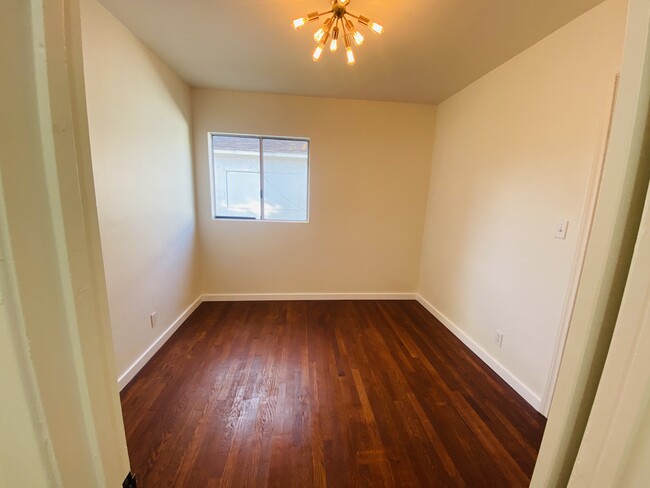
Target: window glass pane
[236,176]
[285,179]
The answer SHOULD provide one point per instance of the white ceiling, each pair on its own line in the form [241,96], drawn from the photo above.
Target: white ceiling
[430,48]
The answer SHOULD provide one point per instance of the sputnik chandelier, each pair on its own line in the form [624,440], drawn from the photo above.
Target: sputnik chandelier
[336,26]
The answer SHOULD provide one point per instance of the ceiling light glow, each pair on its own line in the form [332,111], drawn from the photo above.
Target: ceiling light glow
[338,15]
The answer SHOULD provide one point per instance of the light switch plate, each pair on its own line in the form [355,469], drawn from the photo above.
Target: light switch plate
[561,229]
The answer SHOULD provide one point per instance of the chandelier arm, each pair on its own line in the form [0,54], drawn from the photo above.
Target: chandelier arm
[364,22]
[346,38]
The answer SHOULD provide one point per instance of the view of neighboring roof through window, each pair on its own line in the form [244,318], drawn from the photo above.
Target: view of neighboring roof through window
[260,178]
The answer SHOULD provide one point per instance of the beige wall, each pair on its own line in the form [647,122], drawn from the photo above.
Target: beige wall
[139,117]
[618,213]
[615,449]
[25,459]
[635,469]
[60,419]
[514,154]
[369,169]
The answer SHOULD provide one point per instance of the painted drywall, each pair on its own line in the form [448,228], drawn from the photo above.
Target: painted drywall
[635,469]
[369,171]
[25,459]
[60,418]
[139,119]
[513,155]
[430,49]
[615,449]
[603,280]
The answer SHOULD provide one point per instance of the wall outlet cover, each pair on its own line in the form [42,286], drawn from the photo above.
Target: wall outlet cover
[498,338]
[154,319]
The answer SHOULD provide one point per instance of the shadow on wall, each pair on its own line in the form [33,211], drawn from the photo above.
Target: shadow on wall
[170,83]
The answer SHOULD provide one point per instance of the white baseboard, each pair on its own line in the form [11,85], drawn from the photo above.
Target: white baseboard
[525,392]
[132,370]
[268,297]
[497,367]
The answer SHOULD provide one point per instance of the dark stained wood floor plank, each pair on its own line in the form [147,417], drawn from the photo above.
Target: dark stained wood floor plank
[316,394]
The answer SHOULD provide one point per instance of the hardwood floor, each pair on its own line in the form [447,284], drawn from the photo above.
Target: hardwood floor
[340,394]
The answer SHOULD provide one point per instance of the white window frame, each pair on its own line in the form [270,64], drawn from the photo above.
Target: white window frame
[213,207]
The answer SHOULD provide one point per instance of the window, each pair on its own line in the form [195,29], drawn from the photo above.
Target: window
[259,178]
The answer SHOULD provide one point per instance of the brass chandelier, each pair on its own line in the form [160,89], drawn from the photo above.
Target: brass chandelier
[338,25]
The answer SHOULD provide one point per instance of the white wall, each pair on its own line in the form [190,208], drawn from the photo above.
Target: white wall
[139,117]
[369,169]
[513,155]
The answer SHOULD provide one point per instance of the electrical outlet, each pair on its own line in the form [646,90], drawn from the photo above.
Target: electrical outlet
[498,338]
[154,319]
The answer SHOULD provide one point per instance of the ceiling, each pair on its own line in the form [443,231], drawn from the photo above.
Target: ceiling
[430,49]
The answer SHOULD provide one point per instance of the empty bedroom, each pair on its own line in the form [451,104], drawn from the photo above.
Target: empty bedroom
[327,242]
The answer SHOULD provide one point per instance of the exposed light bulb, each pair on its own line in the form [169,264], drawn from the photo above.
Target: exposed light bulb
[318,36]
[358,38]
[374,26]
[317,52]
[298,23]
[335,36]
[350,56]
